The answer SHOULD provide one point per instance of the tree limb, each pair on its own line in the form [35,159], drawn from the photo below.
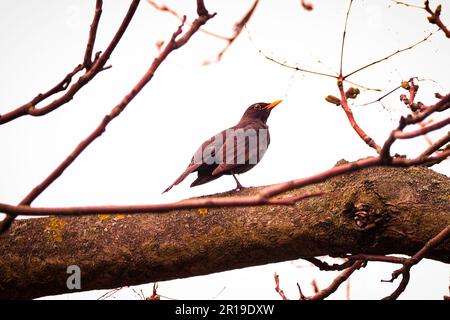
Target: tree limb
[405,208]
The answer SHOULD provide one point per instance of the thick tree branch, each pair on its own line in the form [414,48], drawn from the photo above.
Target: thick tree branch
[406,208]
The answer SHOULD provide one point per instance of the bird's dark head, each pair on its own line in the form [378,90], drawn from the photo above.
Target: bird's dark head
[259,111]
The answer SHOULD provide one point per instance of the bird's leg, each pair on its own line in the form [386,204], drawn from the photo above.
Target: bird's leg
[239,186]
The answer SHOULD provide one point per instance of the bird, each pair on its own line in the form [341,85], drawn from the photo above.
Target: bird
[234,150]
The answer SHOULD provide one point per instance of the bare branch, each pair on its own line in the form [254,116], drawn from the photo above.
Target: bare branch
[366,138]
[341,278]
[277,287]
[380,98]
[435,18]
[388,57]
[438,144]
[284,64]
[422,131]
[238,27]
[165,8]
[409,263]
[174,43]
[87,61]
[343,37]
[98,66]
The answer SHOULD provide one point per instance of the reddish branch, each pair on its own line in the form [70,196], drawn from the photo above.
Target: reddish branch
[422,131]
[435,146]
[87,61]
[415,118]
[435,18]
[165,8]
[237,29]
[368,140]
[409,263]
[277,287]
[92,69]
[341,278]
[177,40]
[322,294]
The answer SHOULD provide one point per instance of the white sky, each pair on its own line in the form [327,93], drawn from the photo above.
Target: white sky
[142,152]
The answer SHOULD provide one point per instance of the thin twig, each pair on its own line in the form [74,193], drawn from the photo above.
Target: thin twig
[380,98]
[343,37]
[165,8]
[438,144]
[388,56]
[277,287]
[238,27]
[436,18]
[342,277]
[409,263]
[87,61]
[407,4]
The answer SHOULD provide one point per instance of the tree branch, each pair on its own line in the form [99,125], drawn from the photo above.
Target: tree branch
[341,278]
[175,42]
[409,263]
[435,18]
[364,136]
[407,207]
[87,61]
[91,71]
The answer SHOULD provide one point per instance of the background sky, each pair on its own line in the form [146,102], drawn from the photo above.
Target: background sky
[151,143]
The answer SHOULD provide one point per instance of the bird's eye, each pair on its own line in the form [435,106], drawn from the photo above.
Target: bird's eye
[257,107]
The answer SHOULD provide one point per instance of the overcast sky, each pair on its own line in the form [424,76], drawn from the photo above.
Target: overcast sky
[151,143]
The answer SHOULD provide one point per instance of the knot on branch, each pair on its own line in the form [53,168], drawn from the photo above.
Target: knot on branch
[366,208]
[365,216]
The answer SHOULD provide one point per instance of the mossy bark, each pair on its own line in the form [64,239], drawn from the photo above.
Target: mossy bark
[376,210]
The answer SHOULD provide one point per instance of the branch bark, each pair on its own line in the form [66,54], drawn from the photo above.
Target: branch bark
[404,208]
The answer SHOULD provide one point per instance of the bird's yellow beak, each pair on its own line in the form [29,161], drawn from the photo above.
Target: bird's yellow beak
[273,104]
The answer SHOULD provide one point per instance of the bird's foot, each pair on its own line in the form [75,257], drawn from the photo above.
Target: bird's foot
[239,188]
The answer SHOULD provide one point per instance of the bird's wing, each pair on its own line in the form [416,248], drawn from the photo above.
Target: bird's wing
[245,147]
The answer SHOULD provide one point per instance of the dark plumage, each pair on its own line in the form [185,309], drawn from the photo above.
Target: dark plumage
[211,160]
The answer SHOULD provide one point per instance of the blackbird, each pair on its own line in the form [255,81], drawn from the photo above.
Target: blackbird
[234,150]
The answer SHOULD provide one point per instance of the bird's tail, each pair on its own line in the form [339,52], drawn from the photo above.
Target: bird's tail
[204,179]
[183,176]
